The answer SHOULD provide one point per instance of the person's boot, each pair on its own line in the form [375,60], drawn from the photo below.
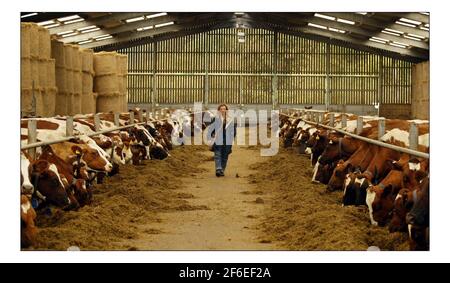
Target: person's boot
[222,174]
[218,173]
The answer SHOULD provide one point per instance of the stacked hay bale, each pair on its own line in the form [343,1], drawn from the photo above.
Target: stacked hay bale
[37,71]
[58,53]
[68,96]
[88,97]
[106,82]
[77,80]
[123,80]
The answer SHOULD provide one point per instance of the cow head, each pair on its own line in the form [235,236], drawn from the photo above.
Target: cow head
[380,200]
[418,218]
[94,160]
[338,178]
[25,182]
[355,187]
[46,178]
[402,205]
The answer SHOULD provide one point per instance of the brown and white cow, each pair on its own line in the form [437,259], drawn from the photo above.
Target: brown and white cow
[48,185]
[380,198]
[28,229]
[418,219]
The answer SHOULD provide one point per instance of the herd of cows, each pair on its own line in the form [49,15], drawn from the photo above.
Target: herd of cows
[394,186]
[63,174]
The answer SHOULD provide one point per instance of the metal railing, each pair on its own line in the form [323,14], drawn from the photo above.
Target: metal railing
[32,129]
[319,117]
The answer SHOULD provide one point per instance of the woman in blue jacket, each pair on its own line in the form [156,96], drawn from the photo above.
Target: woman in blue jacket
[223,131]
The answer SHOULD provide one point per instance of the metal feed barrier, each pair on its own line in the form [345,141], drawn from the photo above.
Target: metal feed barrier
[32,129]
[315,117]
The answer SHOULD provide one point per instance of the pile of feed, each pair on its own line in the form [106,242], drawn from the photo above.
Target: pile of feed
[304,216]
[123,204]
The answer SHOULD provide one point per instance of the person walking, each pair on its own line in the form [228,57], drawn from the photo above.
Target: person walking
[222,131]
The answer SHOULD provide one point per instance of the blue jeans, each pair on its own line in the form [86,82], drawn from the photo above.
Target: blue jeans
[221,156]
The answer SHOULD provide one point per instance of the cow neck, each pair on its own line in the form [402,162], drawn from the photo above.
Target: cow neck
[365,155]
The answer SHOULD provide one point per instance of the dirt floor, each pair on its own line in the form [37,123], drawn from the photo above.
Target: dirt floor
[263,203]
[304,216]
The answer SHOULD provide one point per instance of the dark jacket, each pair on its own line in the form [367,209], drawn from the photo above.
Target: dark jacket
[223,139]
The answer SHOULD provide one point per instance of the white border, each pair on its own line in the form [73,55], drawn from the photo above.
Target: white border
[9,243]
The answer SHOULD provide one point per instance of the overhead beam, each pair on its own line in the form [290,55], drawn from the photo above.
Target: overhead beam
[44,16]
[127,44]
[158,31]
[412,16]
[365,45]
[96,21]
[366,20]
[121,28]
[135,25]
[356,30]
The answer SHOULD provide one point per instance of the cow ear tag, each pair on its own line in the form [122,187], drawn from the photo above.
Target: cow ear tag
[317,138]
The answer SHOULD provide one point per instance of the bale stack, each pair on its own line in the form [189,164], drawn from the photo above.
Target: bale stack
[58,53]
[77,80]
[37,71]
[88,97]
[123,80]
[106,82]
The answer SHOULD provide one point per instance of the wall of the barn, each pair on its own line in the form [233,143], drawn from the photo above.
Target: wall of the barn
[269,68]
[421,91]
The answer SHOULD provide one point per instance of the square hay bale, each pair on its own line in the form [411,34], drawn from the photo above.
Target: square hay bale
[77,82]
[88,83]
[25,40]
[105,63]
[58,53]
[49,100]
[51,79]
[43,77]
[87,57]
[61,79]
[88,103]
[34,41]
[63,102]
[106,84]
[44,43]
[25,73]
[109,103]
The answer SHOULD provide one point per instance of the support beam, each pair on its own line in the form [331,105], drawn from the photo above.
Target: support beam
[210,20]
[275,71]
[32,136]
[114,17]
[425,19]
[327,80]
[365,20]
[44,16]
[206,78]
[69,126]
[366,45]
[154,87]
[120,29]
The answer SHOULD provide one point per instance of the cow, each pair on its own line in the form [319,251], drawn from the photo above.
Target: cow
[75,187]
[49,187]
[28,229]
[25,183]
[359,160]
[418,219]
[380,198]
[93,158]
[339,148]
